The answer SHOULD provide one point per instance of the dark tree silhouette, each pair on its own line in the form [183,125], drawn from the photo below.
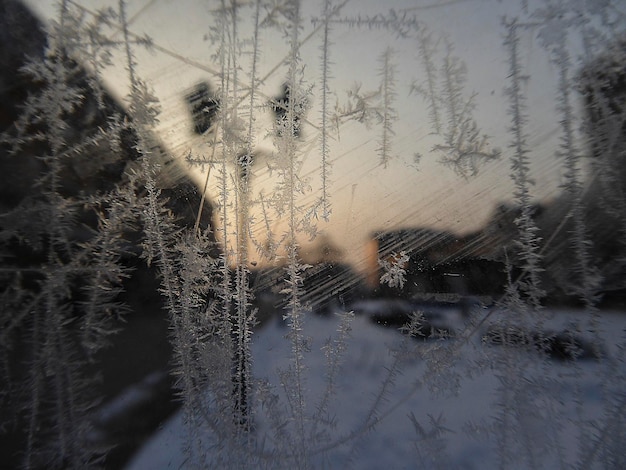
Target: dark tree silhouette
[203,106]
[280,106]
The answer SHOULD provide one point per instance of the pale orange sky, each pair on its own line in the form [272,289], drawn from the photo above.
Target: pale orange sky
[365,197]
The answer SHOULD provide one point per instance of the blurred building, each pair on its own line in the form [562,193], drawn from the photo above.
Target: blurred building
[438,263]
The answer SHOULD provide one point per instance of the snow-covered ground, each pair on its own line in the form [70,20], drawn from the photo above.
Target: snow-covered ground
[451,403]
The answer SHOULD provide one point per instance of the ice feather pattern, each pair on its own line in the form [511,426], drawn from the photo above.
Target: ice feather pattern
[278,389]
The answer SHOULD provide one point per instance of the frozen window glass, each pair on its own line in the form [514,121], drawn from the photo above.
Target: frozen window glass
[368,233]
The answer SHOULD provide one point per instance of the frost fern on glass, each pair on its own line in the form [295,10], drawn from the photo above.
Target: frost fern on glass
[61,247]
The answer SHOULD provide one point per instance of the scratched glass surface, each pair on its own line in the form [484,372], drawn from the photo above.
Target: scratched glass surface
[453,169]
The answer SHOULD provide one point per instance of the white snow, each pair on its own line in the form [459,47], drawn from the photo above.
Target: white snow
[425,390]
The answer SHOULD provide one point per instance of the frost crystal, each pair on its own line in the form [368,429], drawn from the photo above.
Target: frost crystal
[394,269]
